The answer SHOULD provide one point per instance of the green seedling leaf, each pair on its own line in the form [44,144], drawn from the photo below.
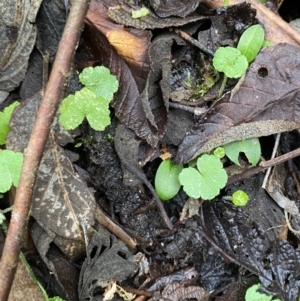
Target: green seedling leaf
[251,148]
[83,104]
[4,121]
[251,41]
[10,169]
[100,81]
[253,295]
[167,184]
[142,12]
[240,198]
[219,152]
[230,61]
[207,182]
[55,299]
[190,179]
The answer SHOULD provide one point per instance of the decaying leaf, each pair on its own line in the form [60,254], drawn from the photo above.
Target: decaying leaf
[23,285]
[177,292]
[65,272]
[265,102]
[122,15]
[17,35]
[62,203]
[181,8]
[50,23]
[107,258]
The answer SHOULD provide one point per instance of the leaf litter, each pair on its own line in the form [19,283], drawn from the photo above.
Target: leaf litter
[264,102]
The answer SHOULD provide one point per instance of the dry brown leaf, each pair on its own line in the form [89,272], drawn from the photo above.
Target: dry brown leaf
[17,35]
[23,287]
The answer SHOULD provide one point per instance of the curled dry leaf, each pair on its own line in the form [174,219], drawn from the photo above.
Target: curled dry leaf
[181,8]
[107,258]
[266,101]
[122,15]
[17,35]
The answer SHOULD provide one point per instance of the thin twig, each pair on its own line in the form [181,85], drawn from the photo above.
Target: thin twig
[193,41]
[34,151]
[264,165]
[275,148]
[105,221]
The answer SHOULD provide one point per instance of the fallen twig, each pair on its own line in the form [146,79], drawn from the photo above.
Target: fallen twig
[33,153]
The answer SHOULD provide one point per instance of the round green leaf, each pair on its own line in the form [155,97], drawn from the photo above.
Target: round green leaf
[190,179]
[213,176]
[167,183]
[70,114]
[5,178]
[240,198]
[230,61]
[100,81]
[251,41]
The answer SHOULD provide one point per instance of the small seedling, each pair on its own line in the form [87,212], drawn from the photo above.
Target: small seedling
[91,102]
[253,295]
[230,61]
[4,121]
[219,152]
[233,62]
[167,183]
[251,148]
[251,42]
[239,198]
[10,167]
[206,181]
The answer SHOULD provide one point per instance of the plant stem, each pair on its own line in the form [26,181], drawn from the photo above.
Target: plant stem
[223,85]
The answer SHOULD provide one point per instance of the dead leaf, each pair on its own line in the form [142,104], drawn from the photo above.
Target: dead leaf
[62,203]
[190,208]
[265,102]
[50,23]
[107,258]
[23,285]
[181,8]
[65,272]
[177,292]
[121,14]
[17,35]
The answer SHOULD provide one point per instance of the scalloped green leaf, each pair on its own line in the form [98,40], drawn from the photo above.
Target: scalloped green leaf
[251,148]
[251,41]
[4,121]
[230,61]
[213,176]
[10,169]
[205,182]
[253,295]
[100,81]
[84,104]
[167,183]
[190,179]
